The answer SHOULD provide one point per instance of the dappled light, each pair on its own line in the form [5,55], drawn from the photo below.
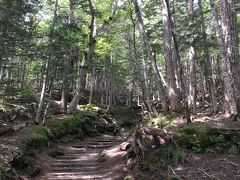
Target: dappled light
[119,89]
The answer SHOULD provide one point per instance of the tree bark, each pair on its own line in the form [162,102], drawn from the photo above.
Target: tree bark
[87,57]
[229,95]
[207,63]
[192,62]
[22,76]
[170,72]
[151,55]
[66,61]
[229,26]
[45,76]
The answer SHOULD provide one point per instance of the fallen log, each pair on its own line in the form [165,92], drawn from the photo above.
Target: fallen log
[125,146]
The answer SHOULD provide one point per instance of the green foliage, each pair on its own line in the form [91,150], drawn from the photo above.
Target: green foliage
[91,109]
[26,165]
[1,172]
[217,139]
[124,117]
[25,95]
[196,136]
[202,137]
[233,149]
[66,129]
[144,166]
[165,121]
[37,140]
[70,125]
[172,154]
[68,138]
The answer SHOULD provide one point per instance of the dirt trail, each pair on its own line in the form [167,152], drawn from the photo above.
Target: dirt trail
[80,161]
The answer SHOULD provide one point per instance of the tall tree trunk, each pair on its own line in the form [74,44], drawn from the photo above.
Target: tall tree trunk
[22,76]
[65,86]
[229,94]
[1,69]
[92,85]
[229,26]
[207,63]
[87,57]
[45,76]
[66,61]
[192,62]
[171,80]
[150,55]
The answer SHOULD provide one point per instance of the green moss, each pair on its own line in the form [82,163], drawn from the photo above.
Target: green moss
[68,127]
[196,134]
[36,141]
[128,178]
[68,138]
[91,109]
[165,121]
[124,117]
[203,137]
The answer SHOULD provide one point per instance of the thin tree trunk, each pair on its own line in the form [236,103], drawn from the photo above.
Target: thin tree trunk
[64,97]
[180,69]
[207,63]
[192,63]
[87,57]
[66,61]
[45,76]
[151,55]
[92,85]
[22,76]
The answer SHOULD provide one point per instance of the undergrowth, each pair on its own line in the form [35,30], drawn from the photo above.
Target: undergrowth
[62,130]
[1,172]
[206,138]
[165,120]
[75,125]
[124,117]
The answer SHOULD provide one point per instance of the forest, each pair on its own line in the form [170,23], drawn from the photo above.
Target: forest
[119,89]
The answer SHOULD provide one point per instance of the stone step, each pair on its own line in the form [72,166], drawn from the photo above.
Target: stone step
[83,175]
[83,151]
[78,163]
[76,169]
[100,143]
[80,175]
[90,146]
[85,156]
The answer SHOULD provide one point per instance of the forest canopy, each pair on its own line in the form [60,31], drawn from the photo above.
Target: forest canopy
[161,55]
